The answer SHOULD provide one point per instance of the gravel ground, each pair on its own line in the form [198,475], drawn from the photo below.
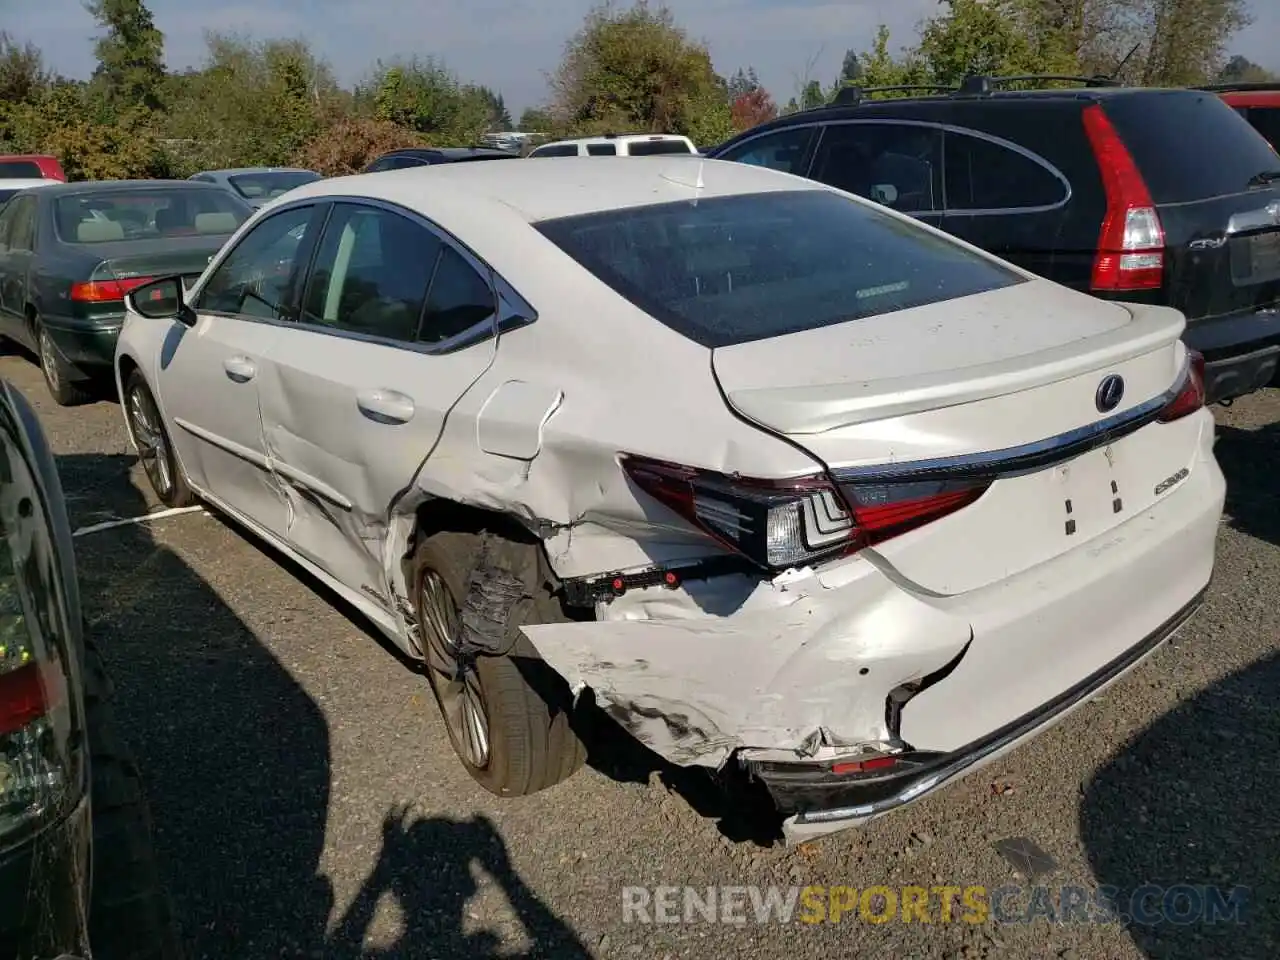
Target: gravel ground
[307,802]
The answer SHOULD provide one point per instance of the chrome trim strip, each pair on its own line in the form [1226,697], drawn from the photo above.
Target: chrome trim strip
[1260,218]
[222,443]
[960,761]
[1020,459]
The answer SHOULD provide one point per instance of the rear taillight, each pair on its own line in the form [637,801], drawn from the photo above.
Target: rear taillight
[1131,242]
[785,523]
[1191,395]
[106,291]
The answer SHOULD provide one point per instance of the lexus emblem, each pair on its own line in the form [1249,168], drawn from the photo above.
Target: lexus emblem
[1110,393]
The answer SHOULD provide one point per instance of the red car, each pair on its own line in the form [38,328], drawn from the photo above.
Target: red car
[1258,102]
[31,166]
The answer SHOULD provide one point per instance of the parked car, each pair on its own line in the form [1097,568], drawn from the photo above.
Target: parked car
[28,166]
[431,156]
[69,252]
[1093,188]
[10,187]
[258,185]
[413,385]
[1259,103]
[78,875]
[617,145]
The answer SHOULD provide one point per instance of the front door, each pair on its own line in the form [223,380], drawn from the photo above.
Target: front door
[354,396]
[210,373]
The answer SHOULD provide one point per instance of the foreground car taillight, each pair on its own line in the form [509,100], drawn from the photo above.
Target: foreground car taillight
[784,523]
[1191,394]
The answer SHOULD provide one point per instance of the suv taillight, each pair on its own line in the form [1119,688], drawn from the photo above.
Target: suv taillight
[786,523]
[1131,242]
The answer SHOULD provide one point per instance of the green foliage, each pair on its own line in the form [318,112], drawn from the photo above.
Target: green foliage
[1243,70]
[535,120]
[130,54]
[422,95]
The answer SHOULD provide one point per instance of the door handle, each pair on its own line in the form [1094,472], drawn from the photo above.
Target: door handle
[240,369]
[385,406]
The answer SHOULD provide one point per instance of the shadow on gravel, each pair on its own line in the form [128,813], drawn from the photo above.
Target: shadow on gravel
[236,759]
[1251,461]
[1189,808]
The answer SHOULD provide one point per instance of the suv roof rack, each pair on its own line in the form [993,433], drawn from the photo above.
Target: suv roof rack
[976,84]
[853,95]
[1240,86]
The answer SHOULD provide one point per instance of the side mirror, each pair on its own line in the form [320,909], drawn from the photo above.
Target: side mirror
[161,300]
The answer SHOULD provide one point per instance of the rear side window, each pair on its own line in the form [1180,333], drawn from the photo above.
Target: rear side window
[651,148]
[735,269]
[785,150]
[1159,130]
[985,175]
[561,150]
[20,170]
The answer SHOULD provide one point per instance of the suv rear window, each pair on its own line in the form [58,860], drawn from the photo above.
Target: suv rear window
[651,148]
[1155,128]
[20,170]
[735,269]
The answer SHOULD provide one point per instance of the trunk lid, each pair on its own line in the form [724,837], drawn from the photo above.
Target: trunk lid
[184,256]
[963,386]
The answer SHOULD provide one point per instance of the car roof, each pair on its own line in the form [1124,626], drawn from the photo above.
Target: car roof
[9,183]
[576,185]
[236,171]
[616,137]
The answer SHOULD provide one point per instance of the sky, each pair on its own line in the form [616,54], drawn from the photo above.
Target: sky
[510,45]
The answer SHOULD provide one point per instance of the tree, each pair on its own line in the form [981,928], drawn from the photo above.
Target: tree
[880,68]
[753,108]
[976,37]
[634,69]
[1187,38]
[130,54]
[350,144]
[850,69]
[423,95]
[1243,70]
[535,120]
[812,96]
[742,83]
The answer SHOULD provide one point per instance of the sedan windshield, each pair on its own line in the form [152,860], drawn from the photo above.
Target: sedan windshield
[270,184]
[734,269]
[103,216]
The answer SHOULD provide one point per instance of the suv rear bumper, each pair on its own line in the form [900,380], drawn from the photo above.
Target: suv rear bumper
[1241,352]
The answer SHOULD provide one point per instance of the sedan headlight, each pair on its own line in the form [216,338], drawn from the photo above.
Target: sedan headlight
[39,765]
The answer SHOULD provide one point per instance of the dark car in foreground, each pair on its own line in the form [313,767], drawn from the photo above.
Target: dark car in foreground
[430,156]
[77,873]
[1164,197]
[69,252]
[257,185]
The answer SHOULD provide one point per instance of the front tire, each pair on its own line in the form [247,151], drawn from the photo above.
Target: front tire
[509,714]
[155,450]
[58,374]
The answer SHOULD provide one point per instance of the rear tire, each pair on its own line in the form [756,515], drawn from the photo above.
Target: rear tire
[66,392]
[130,914]
[155,449]
[523,707]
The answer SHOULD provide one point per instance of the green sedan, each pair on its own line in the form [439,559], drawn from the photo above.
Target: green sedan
[69,252]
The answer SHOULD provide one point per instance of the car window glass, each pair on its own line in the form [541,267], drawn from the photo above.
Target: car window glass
[783,151]
[460,298]
[1266,120]
[983,175]
[601,150]
[253,280]
[897,165]
[20,169]
[653,148]
[8,215]
[561,150]
[371,273]
[22,235]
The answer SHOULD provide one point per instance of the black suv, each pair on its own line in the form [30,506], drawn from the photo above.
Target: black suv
[429,156]
[1158,196]
[77,872]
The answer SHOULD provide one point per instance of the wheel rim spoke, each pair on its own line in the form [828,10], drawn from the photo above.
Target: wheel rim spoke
[152,449]
[453,674]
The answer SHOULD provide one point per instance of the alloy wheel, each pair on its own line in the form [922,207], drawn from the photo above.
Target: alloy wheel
[48,359]
[153,449]
[453,674]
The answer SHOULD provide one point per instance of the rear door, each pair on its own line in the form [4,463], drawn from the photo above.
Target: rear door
[397,322]
[16,259]
[896,163]
[1220,215]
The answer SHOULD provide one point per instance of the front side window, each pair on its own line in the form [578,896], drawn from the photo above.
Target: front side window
[735,269]
[107,216]
[895,164]
[983,175]
[253,280]
[785,150]
[371,273]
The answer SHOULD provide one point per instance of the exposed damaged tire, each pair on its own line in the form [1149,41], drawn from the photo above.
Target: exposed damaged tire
[155,449]
[508,713]
[130,914]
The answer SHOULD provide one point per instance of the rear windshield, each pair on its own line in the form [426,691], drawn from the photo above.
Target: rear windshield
[1155,128]
[268,186]
[736,269]
[20,170]
[106,216]
[651,148]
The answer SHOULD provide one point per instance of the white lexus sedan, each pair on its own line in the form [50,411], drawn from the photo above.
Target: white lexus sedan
[791,486]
